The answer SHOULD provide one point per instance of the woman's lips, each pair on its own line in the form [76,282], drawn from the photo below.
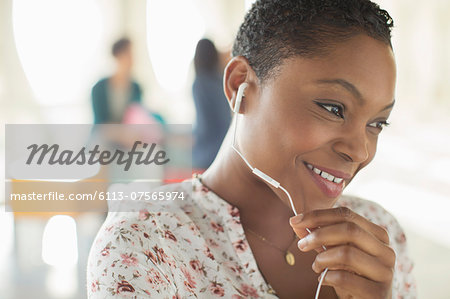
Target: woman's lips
[331,185]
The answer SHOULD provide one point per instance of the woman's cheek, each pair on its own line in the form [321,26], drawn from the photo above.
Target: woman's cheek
[311,136]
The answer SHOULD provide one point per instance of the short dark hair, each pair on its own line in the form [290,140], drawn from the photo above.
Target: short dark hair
[120,46]
[206,58]
[274,30]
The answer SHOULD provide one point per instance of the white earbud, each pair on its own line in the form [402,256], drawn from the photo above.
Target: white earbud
[239,96]
[255,170]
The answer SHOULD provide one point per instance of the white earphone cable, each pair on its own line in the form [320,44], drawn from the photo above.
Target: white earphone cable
[309,231]
[265,177]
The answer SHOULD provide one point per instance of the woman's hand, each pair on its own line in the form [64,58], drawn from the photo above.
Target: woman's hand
[358,257]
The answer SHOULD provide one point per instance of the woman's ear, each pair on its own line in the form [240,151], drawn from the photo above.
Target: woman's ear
[237,72]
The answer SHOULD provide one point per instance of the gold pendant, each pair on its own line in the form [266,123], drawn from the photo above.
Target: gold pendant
[290,259]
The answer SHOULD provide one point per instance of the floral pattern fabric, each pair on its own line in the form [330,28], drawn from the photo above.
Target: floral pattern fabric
[196,248]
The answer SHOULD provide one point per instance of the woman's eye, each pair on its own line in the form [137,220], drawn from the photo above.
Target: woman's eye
[333,108]
[379,124]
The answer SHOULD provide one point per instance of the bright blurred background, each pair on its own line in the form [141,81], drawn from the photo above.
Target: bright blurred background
[53,51]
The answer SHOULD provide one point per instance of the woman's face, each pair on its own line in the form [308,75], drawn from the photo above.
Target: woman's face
[325,113]
[125,58]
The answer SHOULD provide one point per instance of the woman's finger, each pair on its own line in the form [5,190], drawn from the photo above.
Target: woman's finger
[349,258]
[318,218]
[348,233]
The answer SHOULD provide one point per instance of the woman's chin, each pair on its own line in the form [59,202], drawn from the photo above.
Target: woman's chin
[316,200]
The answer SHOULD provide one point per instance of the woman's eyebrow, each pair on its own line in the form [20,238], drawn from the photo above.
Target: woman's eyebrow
[352,89]
[347,85]
[388,106]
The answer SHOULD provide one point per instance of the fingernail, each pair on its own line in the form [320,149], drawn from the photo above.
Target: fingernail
[302,243]
[296,219]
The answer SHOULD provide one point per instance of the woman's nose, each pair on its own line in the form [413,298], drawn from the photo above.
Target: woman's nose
[353,146]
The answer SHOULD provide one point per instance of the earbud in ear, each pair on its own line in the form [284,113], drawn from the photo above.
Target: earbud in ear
[239,96]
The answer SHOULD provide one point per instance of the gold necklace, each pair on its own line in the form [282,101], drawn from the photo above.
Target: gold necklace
[289,257]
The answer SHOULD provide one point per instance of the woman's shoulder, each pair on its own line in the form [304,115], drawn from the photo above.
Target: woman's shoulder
[163,203]
[101,83]
[152,216]
[136,251]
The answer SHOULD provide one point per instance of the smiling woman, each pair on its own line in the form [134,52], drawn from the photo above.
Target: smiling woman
[319,80]
[330,111]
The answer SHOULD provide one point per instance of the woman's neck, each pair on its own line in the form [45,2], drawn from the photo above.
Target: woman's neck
[259,205]
[120,80]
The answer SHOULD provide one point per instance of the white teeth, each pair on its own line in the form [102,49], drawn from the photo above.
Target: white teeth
[325,175]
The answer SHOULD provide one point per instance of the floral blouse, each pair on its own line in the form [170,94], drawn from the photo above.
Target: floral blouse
[196,248]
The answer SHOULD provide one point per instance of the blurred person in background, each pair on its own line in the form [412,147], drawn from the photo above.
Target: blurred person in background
[112,96]
[118,100]
[212,110]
